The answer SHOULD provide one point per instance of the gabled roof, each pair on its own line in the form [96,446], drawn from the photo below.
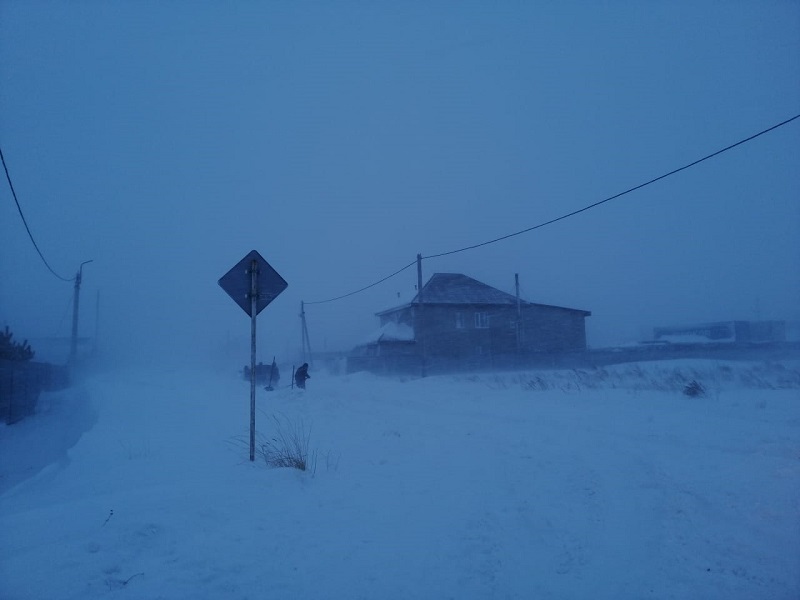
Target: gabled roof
[455,288]
[458,289]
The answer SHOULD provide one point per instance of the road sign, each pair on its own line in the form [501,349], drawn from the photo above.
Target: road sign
[237,281]
[252,284]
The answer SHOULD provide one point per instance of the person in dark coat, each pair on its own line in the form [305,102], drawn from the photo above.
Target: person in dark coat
[301,375]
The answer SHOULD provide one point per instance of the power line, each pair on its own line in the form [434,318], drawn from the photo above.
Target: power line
[24,222]
[628,191]
[573,213]
[365,287]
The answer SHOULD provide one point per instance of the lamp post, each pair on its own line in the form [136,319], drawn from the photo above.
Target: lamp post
[73,353]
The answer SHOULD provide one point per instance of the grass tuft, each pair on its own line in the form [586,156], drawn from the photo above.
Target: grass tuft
[289,446]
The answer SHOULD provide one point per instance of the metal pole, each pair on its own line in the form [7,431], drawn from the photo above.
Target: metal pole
[253,302]
[419,329]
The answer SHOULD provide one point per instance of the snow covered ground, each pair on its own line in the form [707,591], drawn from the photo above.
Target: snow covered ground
[609,483]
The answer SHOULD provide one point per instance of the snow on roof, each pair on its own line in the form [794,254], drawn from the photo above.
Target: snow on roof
[389,332]
[691,338]
[455,288]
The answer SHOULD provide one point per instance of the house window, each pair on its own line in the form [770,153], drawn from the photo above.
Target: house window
[481,320]
[459,320]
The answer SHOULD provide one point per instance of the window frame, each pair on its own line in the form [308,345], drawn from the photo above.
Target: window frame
[481,320]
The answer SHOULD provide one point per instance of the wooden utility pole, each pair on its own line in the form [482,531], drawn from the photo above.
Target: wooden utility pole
[95,346]
[307,357]
[420,335]
[73,351]
[519,315]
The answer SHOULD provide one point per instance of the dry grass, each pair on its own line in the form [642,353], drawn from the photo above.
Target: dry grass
[288,446]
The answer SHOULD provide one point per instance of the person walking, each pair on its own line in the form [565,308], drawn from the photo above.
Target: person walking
[301,375]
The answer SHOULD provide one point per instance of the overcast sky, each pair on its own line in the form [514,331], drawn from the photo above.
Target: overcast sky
[165,140]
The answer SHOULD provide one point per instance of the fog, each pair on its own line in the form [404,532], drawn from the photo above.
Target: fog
[164,141]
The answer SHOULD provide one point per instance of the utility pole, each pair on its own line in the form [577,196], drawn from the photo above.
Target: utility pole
[519,315]
[420,335]
[73,352]
[96,322]
[306,342]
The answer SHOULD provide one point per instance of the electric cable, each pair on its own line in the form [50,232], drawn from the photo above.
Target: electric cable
[24,222]
[615,196]
[573,213]
[366,287]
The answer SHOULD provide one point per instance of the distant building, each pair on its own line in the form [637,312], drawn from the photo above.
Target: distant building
[391,348]
[742,332]
[465,321]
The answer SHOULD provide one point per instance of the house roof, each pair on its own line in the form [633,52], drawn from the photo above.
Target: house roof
[458,289]
[390,332]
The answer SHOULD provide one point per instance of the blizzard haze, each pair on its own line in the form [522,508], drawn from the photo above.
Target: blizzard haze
[164,141]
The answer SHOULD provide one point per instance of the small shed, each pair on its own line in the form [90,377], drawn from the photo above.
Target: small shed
[391,348]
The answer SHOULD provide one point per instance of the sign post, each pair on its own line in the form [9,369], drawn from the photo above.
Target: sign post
[253,284]
[253,301]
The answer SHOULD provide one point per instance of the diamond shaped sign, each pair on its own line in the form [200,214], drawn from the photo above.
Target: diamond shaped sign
[237,281]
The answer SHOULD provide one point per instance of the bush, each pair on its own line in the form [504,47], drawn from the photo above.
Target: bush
[694,389]
[11,350]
